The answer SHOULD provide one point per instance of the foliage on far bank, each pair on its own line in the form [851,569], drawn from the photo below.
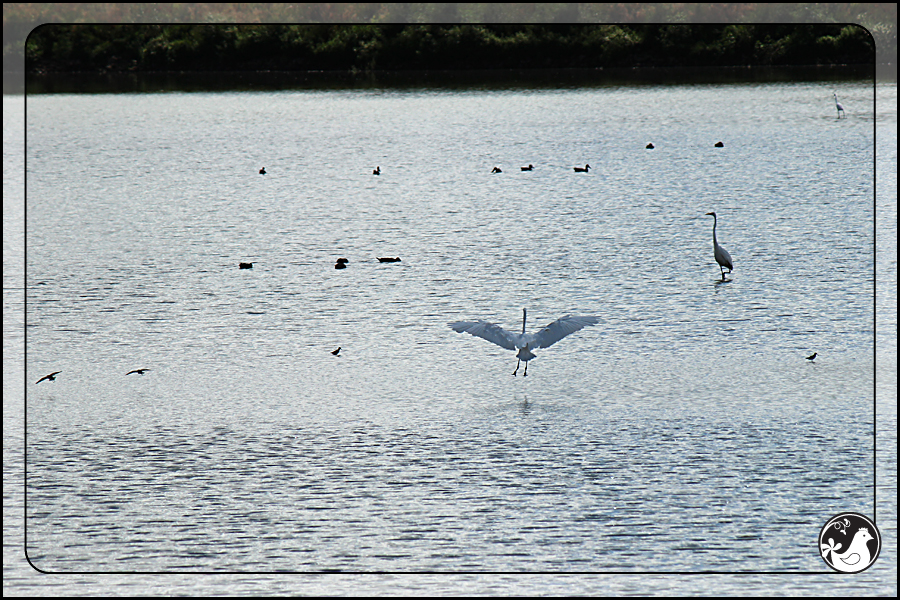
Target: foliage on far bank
[79,47]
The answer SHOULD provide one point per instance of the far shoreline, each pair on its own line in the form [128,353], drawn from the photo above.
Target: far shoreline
[161,81]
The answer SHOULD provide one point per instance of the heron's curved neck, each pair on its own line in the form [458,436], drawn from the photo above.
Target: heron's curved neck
[715,222]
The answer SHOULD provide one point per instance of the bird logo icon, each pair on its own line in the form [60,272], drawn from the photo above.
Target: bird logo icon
[849,543]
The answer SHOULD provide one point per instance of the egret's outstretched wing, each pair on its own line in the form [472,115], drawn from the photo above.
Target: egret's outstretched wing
[489,331]
[560,328]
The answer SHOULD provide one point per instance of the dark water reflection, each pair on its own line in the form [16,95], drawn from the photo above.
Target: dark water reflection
[97,83]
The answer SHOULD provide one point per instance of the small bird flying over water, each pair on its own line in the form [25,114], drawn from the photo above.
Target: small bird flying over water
[720,253]
[584,170]
[336,352]
[50,377]
[138,371]
[525,343]
[813,357]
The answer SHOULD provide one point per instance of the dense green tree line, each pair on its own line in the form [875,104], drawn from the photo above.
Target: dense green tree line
[404,47]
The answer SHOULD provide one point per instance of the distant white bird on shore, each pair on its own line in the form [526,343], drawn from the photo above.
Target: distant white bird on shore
[840,107]
[525,343]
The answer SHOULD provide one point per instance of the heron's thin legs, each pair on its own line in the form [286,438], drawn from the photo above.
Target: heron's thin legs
[517,367]
[525,374]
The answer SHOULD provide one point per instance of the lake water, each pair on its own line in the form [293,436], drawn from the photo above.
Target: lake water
[685,433]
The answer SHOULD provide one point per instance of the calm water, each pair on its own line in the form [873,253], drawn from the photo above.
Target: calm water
[684,433]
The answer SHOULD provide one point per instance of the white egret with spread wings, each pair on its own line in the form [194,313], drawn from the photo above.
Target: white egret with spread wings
[524,342]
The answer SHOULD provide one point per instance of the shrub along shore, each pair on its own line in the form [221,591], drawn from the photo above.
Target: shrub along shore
[361,48]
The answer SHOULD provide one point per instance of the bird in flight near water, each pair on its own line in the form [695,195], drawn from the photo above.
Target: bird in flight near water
[525,343]
[50,377]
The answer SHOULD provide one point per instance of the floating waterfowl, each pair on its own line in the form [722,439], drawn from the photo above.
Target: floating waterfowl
[720,145]
[388,259]
[813,357]
[245,265]
[262,171]
[496,170]
[50,377]
[377,171]
[584,170]
[343,260]
[340,265]
[336,352]
[138,371]
[650,146]
[528,168]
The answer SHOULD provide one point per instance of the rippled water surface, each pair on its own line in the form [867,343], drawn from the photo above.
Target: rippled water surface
[684,433]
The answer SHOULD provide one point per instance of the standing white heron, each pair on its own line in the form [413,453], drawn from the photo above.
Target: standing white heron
[840,107]
[721,254]
[525,343]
